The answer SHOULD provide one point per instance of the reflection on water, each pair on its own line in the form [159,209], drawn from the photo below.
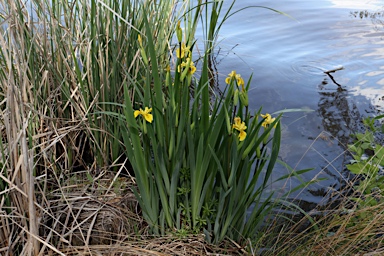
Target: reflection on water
[339,116]
[364,88]
[375,95]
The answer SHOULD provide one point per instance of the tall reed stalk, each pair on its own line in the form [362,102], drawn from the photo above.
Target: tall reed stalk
[19,83]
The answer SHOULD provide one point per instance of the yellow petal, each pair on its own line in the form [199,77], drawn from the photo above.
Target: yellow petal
[238,125]
[266,117]
[148,117]
[192,69]
[242,135]
[265,124]
[136,113]
[181,66]
[267,120]
[240,81]
[232,74]
[180,53]
[147,110]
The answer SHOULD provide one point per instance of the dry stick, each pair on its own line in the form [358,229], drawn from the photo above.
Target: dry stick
[90,229]
[328,72]
[28,169]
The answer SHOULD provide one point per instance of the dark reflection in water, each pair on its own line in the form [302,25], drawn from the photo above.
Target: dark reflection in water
[339,116]
[374,15]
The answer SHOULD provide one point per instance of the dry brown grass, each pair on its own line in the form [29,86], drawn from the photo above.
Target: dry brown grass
[97,214]
[345,229]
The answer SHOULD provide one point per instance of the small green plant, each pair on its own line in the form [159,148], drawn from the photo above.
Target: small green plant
[368,163]
[368,158]
[198,160]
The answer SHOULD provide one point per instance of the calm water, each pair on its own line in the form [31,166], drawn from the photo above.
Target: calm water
[288,58]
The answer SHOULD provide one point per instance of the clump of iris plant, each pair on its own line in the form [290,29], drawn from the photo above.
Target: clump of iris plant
[198,159]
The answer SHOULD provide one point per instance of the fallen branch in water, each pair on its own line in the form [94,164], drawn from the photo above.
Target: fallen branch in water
[328,72]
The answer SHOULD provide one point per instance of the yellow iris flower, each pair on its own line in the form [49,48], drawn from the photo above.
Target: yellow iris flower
[230,76]
[183,51]
[267,120]
[192,68]
[240,126]
[145,113]
[239,79]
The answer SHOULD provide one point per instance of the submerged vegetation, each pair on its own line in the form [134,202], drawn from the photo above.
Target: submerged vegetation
[112,136]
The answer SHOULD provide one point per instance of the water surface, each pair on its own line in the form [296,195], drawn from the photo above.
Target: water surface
[289,57]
